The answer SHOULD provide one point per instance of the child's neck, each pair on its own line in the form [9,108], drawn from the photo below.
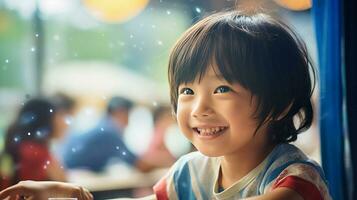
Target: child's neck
[236,166]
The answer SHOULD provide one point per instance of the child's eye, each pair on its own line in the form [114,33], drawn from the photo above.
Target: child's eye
[223,89]
[186,91]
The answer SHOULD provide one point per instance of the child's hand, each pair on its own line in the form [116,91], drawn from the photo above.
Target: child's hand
[42,190]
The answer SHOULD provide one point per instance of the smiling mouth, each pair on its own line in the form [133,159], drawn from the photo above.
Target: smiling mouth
[210,131]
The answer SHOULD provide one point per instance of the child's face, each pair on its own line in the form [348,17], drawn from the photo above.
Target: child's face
[217,117]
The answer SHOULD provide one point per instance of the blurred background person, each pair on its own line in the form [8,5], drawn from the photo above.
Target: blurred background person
[65,106]
[95,149]
[65,110]
[157,151]
[27,153]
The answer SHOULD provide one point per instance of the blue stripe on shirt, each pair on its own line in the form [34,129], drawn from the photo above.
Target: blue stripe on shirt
[183,186]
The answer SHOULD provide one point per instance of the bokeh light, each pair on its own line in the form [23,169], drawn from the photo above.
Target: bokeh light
[115,11]
[296,5]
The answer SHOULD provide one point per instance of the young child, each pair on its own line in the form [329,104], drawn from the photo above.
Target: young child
[240,89]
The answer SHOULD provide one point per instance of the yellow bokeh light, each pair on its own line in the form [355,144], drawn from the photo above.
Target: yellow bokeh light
[115,11]
[296,5]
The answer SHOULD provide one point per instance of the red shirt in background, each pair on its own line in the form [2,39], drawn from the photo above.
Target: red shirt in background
[33,161]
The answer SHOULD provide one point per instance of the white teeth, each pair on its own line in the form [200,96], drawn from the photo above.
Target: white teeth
[209,131]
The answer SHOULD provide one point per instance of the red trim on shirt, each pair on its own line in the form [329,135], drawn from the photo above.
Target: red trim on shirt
[306,189]
[160,190]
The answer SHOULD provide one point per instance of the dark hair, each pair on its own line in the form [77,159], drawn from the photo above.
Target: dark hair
[34,122]
[119,103]
[260,53]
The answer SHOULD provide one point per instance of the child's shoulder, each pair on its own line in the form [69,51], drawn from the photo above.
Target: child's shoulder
[285,155]
[288,166]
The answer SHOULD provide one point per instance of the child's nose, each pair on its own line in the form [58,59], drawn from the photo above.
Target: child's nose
[201,108]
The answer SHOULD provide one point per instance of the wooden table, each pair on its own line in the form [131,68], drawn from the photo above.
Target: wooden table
[116,181]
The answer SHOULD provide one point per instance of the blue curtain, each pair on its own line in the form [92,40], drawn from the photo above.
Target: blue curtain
[350,52]
[328,27]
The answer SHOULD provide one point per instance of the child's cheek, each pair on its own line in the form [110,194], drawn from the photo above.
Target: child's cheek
[183,120]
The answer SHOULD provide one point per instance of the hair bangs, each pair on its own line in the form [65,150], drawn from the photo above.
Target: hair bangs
[194,64]
[232,55]
[191,56]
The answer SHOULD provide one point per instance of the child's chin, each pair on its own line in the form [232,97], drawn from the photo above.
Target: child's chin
[210,152]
